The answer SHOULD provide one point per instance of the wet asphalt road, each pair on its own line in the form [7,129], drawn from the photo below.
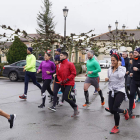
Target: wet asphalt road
[32,123]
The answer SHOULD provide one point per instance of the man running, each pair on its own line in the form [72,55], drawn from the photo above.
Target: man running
[135,83]
[30,69]
[11,118]
[66,73]
[93,68]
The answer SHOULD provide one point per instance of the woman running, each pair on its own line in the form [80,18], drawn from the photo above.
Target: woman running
[116,87]
[48,68]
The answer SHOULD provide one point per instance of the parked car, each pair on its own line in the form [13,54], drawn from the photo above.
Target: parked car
[104,64]
[15,71]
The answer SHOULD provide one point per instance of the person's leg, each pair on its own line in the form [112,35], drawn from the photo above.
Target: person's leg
[133,89]
[10,118]
[48,86]
[26,81]
[33,77]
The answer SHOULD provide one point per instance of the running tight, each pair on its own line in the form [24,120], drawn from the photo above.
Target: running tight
[114,105]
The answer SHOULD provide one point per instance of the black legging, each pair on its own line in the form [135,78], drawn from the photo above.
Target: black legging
[133,89]
[55,92]
[66,90]
[114,105]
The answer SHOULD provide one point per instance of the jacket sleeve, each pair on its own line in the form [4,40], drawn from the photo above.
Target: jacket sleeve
[58,74]
[31,64]
[123,62]
[98,68]
[122,71]
[53,68]
[72,72]
[40,67]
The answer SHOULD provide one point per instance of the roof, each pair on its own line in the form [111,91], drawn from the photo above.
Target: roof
[7,45]
[107,36]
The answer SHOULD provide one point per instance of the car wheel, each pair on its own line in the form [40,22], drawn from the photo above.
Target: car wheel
[13,76]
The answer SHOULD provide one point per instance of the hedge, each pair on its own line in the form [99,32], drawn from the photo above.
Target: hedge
[1,67]
[78,67]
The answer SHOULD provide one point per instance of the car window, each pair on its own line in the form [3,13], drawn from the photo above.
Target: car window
[21,64]
[102,61]
[37,64]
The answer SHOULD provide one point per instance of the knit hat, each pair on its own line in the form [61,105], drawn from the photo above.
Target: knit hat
[57,58]
[138,50]
[30,49]
[113,51]
[59,50]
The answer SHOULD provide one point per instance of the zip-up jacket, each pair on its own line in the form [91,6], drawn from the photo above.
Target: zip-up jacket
[136,74]
[66,70]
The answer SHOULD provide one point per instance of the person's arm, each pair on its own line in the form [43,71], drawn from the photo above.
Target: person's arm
[58,75]
[53,68]
[72,71]
[98,68]
[31,64]
[121,72]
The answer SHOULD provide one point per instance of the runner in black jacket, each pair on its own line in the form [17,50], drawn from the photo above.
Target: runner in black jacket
[135,83]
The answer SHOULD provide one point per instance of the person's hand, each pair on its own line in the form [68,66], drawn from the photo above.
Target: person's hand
[24,67]
[48,72]
[39,71]
[106,79]
[86,74]
[24,70]
[54,75]
[131,74]
[127,72]
[130,61]
[90,72]
[119,63]
[135,68]
[65,81]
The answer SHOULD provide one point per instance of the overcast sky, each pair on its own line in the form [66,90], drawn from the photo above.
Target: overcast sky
[83,15]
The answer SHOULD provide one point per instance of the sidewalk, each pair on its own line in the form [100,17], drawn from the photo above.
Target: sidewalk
[102,74]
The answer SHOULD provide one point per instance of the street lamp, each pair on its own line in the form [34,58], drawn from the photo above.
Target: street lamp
[123,27]
[65,13]
[116,23]
[109,28]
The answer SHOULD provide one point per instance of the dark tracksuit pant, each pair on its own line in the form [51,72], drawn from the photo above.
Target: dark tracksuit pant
[114,105]
[31,75]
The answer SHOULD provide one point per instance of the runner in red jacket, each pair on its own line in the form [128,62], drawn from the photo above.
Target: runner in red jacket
[66,73]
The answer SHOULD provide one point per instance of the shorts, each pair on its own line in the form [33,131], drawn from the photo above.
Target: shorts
[93,81]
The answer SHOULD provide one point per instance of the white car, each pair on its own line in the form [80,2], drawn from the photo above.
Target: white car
[104,64]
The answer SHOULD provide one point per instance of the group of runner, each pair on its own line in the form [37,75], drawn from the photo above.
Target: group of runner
[123,81]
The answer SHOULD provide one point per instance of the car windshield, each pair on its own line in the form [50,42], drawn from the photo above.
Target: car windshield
[102,61]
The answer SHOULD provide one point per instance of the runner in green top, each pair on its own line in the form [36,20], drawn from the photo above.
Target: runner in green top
[30,72]
[93,68]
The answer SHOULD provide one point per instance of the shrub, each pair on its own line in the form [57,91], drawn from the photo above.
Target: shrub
[1,67]
[78,68]
[17,51]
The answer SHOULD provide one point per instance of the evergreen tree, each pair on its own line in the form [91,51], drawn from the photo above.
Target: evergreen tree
[17,51]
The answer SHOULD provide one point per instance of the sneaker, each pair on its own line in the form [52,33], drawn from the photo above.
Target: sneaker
[107,109]
[115,130]
[23,97]
[61,103]
[76,112]
[86,105]
[134,105]
[52,108]
[41,106]
[103,101]
[126,98]
[95,92]
[12,120]
[126,115]
[137,101]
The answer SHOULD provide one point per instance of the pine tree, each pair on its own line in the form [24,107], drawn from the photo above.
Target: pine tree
[17,51]
[45,19]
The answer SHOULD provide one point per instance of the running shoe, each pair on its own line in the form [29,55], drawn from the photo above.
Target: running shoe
[102,101]
[86,105]
[126,114]
[115,130]
[134,105]
[95,92]
[137,101]
[12,120]
[61,103]
[52,108]
[76,112]
[107,109]
[23,97]
[41,106]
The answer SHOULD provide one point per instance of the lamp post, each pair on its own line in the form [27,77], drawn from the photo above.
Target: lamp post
[116,24]
[65,13]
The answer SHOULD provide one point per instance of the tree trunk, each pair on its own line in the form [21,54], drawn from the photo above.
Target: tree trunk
[76,55]
[70,52]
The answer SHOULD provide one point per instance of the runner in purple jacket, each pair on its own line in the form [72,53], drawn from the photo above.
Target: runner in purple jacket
[48,68]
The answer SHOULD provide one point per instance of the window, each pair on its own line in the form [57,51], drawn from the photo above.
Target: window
[37,64]
[21,64]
